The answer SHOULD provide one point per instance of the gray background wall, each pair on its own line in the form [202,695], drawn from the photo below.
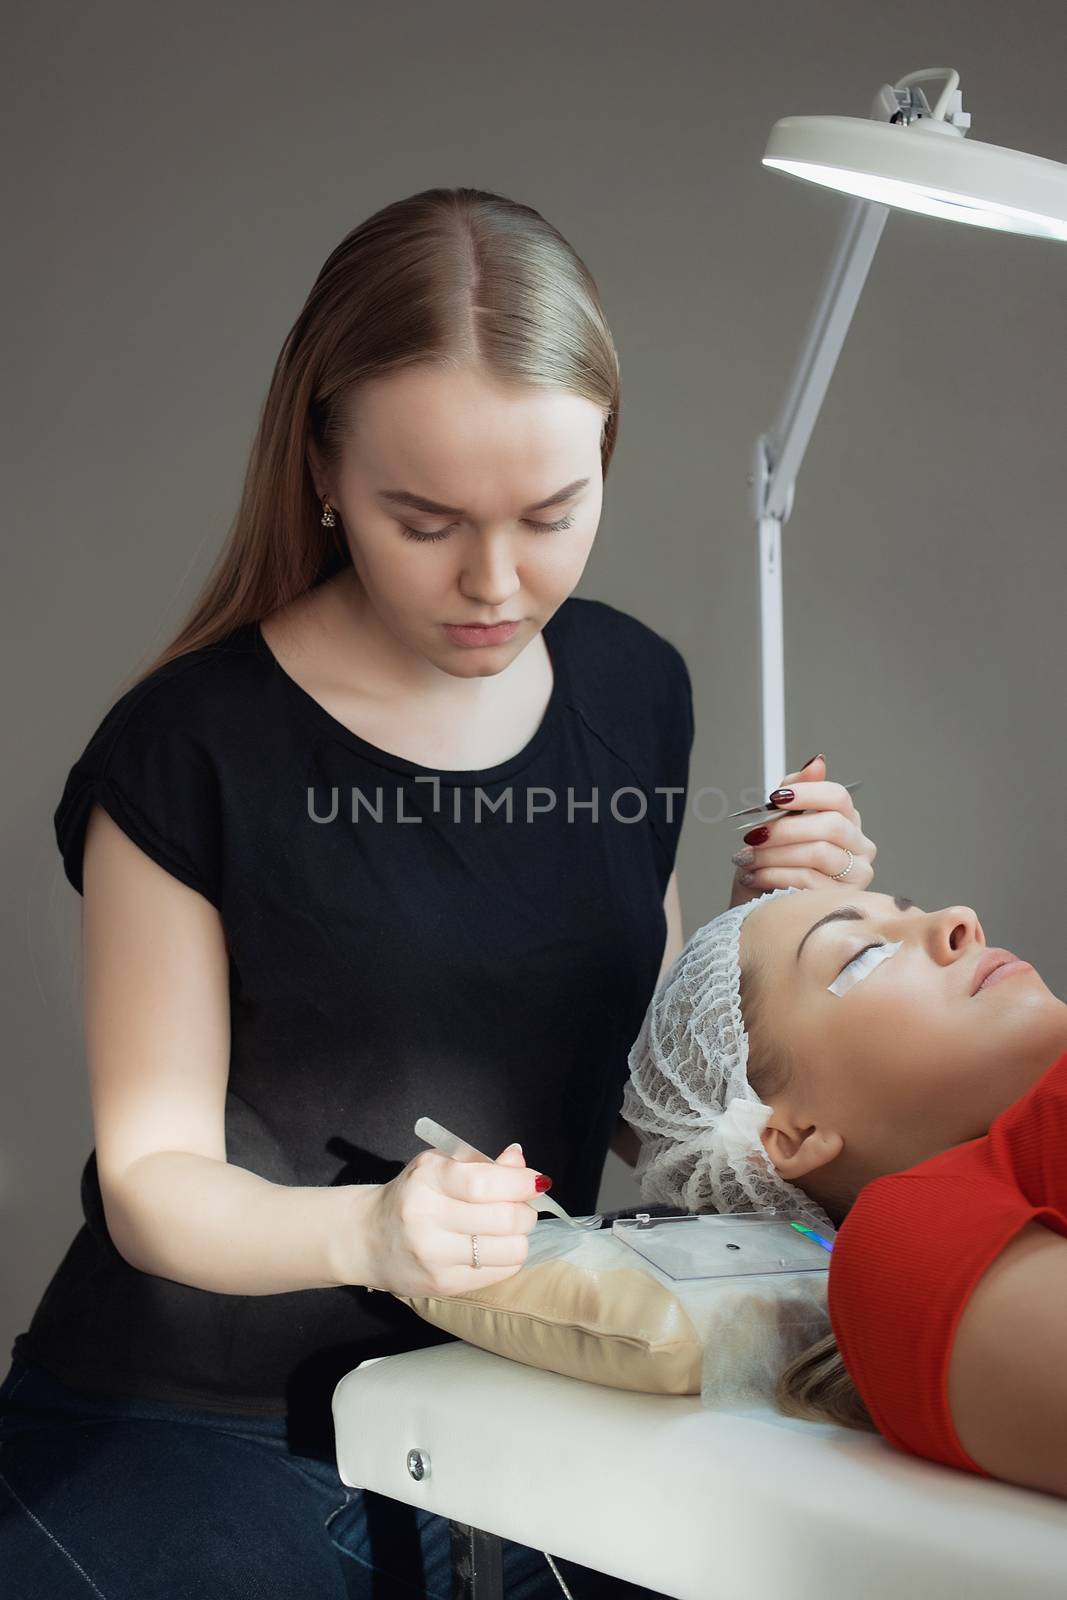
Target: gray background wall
[185,171]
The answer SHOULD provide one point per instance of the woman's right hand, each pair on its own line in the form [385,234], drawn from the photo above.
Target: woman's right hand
[420,1223]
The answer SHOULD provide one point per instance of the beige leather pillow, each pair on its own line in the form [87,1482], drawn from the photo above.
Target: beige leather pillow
[586,1306]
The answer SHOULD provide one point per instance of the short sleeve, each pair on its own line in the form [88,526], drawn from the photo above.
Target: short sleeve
[154,776]
[906,1260]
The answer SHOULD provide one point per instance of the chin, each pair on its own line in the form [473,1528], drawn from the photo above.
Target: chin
[484,662]
[1029,1006]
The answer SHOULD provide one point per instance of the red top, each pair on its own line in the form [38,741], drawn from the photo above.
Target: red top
[914,1245]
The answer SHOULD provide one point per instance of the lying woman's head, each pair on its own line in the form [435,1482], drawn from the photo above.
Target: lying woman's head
[811,1041]
[870,1038]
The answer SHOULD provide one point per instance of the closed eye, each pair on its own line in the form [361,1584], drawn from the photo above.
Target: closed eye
[443,533]
[875,945]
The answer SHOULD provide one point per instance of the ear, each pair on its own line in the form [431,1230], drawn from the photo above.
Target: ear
[795,1152]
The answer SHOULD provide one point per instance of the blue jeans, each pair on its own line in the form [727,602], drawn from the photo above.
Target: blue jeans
[127,1499]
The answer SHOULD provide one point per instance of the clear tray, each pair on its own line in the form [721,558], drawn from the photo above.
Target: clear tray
[712,1246]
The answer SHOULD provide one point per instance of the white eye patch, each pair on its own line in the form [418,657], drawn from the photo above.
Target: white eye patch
[862,966]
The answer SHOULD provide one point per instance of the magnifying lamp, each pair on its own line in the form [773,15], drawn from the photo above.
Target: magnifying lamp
[907,155]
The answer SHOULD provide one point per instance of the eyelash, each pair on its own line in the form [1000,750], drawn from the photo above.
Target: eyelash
[875,945]
[432,538]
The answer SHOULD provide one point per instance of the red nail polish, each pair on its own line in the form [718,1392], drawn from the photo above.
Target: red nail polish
[541,1183]
[781,797]
[757,836]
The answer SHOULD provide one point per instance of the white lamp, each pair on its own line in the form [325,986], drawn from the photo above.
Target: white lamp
[910,156]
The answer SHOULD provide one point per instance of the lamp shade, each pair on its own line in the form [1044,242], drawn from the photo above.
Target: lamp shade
[926,166]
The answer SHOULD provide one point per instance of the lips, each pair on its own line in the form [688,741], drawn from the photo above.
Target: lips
[991,960]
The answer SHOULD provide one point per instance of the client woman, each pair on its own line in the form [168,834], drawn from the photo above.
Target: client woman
[885,1068]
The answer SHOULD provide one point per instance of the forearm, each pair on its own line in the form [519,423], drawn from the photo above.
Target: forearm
[218,1227]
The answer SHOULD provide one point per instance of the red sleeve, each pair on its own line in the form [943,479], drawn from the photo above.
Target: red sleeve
[914,1245]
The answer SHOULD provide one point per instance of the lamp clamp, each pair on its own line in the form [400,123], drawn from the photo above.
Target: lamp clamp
[905,103]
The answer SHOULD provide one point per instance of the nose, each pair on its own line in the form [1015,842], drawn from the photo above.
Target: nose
[488,574]
[953,932]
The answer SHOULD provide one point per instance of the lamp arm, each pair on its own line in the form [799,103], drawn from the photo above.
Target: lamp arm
[830,322]
[780,452]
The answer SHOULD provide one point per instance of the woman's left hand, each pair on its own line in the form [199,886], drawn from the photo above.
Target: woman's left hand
[819,826]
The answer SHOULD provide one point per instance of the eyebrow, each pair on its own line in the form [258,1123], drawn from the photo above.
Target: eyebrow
[849,914]
[418,502]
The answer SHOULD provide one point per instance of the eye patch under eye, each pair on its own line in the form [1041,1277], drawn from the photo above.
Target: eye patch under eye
[862,965]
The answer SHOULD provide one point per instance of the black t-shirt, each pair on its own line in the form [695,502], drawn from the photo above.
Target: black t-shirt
[399,945]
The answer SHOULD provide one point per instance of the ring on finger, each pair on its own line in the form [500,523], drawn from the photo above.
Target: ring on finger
[474,1251]
[848,869]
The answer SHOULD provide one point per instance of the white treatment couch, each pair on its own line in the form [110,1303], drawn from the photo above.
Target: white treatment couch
[686,1501]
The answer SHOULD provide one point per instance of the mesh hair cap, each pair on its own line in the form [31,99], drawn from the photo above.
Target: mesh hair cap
[688,1091]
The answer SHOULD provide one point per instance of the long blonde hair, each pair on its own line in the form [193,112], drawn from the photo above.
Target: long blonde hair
[816,1385]
[448,278]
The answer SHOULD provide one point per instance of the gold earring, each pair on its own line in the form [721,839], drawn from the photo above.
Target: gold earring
[328,518]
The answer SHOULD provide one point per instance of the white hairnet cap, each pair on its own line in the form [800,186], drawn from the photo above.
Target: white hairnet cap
[688,1091]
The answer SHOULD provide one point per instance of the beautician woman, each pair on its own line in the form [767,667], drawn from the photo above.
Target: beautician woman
[388,830]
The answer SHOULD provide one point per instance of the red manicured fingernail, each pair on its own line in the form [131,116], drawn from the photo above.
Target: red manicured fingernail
[757,836]
[541,1183]
[780,797]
